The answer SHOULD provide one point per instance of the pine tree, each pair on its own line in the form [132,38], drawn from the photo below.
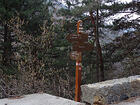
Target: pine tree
[35,12]
[7,10]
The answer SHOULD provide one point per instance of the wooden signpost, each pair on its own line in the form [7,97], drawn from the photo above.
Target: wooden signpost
[80,44]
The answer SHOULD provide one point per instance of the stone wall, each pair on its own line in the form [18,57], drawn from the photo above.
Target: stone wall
[111,91]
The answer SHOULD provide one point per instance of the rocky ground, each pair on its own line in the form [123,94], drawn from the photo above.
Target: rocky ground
[131,101]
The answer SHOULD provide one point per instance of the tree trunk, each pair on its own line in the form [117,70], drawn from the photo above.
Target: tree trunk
[99,62]
[97,66]
[7,41]
[7,46]
[99,48]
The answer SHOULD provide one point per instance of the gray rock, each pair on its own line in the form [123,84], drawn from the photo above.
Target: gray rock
[112,99]
[113,90]
[117,89]
[124,96]
[134,94]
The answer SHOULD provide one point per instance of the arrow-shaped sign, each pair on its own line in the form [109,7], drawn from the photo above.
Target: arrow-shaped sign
[77,38]
[80,47]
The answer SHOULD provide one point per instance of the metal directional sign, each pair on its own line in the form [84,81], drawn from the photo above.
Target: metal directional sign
[81,47]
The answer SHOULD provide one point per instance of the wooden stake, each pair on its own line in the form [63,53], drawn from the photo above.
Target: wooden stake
[78,70]
[78,78]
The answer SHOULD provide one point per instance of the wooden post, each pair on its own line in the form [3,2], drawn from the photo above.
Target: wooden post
[78,78]
[79,27]
[81,44]
[78,67]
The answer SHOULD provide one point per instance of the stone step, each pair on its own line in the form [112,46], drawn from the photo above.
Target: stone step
[38,99]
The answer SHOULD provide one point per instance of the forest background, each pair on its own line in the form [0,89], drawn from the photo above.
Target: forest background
[34,52]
